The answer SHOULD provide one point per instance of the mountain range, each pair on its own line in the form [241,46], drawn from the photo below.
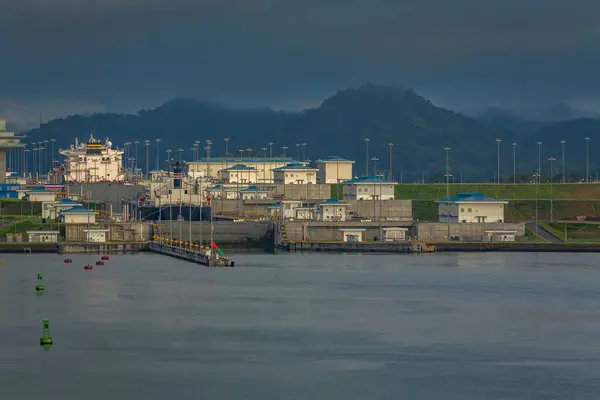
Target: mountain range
[418,129]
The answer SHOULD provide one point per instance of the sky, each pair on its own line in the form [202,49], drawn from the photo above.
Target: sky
[62,57]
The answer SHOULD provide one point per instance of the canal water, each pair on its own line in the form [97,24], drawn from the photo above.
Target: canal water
[303,326]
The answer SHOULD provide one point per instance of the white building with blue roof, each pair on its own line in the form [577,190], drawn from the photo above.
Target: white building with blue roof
[254,193]
[295,174]
[334,169]
[239,173]
[369,188]
[471,207]
[332,210]
[78,215]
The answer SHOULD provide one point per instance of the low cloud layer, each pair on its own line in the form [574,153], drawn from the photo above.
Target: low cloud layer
[124,54]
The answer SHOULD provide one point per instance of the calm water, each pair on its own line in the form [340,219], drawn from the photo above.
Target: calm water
[304,326]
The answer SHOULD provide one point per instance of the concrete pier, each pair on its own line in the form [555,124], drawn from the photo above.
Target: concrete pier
[194,257]
[362,247]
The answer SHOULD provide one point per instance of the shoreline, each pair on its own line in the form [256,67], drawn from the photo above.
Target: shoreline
[440,247]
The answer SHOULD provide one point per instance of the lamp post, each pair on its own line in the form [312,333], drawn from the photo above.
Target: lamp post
[564,178]
[551,159]
[536,176]
[587,159]
[539,161]
[135,166]
[284,148]
[52,155]
[514,162]
[304,151]
[447,172]
[391,176]
[297,151]
[374,159]
[270,149]
[498,140]
[367,140]
[226,146]
[158,154]
[147,144]
[180,151]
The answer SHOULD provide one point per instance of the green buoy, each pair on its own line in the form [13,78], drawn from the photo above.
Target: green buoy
[46,339]
[40,283]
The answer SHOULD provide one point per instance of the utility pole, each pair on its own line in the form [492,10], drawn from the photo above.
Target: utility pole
[226,146]
[284,148]
[537,179]
[374,159]
[448,190]
[135,167]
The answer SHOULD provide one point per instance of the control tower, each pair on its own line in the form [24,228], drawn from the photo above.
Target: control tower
[8,140]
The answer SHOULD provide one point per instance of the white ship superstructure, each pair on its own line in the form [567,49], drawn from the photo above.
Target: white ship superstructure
[93,162]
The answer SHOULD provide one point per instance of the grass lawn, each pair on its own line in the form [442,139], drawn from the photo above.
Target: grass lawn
[576,231]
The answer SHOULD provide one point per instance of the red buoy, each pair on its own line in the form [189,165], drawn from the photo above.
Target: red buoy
[104,258]
[89,266]
[68,261]
[99,262]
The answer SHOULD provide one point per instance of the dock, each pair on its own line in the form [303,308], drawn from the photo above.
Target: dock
[192,256]
[363,247]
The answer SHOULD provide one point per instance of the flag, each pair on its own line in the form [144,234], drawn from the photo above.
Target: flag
[214,246]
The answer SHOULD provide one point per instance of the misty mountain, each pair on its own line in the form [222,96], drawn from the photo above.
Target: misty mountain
[418,129]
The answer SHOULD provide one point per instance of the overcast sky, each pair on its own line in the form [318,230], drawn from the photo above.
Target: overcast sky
[72,56]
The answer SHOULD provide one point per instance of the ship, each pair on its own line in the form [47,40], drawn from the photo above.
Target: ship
[93,161]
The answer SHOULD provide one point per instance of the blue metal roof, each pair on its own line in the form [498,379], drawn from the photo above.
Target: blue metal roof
[368,179]
[41,189]
[292,166]
[334,158]
[332,202]
[252,189]
[240,167]
[475,197]
[67,201]
[78,210]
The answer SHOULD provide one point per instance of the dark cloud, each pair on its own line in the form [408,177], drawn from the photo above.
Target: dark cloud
[124,54]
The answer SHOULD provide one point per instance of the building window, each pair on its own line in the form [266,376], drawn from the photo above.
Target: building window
[469,210]
[462,210]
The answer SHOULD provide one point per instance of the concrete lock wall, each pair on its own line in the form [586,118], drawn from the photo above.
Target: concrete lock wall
[323,231]
[439,231]
[300,192]
[224,232]
[397,209]
[130,232]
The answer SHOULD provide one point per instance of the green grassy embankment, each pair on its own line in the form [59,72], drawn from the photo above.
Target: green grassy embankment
[569,200]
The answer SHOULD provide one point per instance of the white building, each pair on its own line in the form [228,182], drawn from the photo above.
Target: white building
[93,162]
[332,210]
[52,209]
[96,235]
[210,167]
[78,215]
[223,192]
[43,236]
[40,194]
[295,174]
[352,235]
[470,207]
[239,173]
[334,170]
[254,193]
[393,234]
[369,188]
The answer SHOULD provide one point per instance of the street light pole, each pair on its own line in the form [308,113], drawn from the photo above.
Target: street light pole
[158,154]
[564,178]
[447,172]
[551,159]
[367,140]
[514,162]
[391,177]
[539,160]
[587,159]
[226,146]
[498,140]
[537,178]
[374,159]
[284,148]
